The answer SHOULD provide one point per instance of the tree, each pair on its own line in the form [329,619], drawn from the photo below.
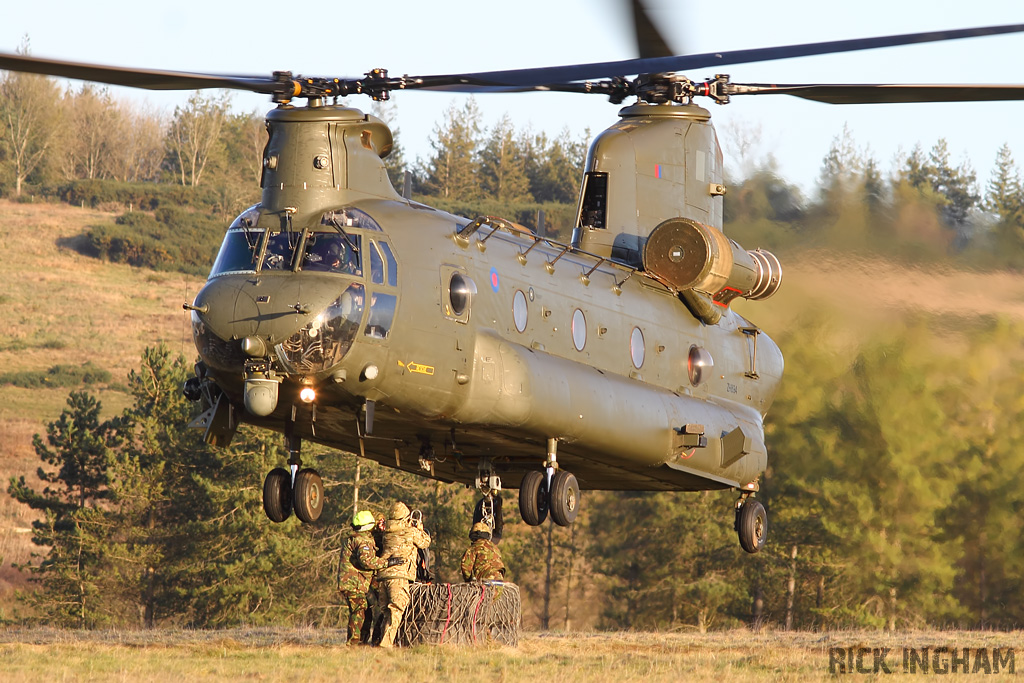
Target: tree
[139,152]
[71,574]
[452,170]
[502,165]
[29,121]
[1005,195]
[194,137]
[90,134]
[557,167]
[957,185]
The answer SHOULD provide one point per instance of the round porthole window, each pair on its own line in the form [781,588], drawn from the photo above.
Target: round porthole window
[520,312]
[636,347]
[459,291]
[698,364]
[579,329]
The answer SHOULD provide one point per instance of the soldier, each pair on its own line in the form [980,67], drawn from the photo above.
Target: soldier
[482,561]
[358,562]
[402,539]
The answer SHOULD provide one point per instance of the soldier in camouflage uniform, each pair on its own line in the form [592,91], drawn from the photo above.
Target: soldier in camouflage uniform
[402,539]
[358,563]
[482,562]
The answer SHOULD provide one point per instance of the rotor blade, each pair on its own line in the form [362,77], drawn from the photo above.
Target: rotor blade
[542,78]
[883,93]
[649,41]
[137,78]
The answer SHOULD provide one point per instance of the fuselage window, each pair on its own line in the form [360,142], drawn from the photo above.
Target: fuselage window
[579,329]
[636,347]
[520,311]
[382,314]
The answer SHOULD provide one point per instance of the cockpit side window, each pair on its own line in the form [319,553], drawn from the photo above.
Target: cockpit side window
[382,314]
[376,265]
[392,264]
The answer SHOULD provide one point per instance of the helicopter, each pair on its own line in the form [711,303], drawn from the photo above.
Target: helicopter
[472,350]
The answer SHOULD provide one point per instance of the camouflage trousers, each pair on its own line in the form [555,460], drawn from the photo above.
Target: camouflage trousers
[360,620]
[394,601]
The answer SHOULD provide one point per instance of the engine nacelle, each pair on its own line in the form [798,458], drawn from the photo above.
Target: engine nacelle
[689,255]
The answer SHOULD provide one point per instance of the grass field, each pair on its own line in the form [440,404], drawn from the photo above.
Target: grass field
[321,655]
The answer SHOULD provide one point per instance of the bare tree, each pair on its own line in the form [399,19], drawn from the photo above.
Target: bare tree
[194,136]
[140,150]
[29,120]
[90,134]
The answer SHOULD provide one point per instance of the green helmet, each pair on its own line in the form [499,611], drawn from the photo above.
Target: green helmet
[363,518]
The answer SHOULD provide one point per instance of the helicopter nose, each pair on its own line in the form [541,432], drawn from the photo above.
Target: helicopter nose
[255,312]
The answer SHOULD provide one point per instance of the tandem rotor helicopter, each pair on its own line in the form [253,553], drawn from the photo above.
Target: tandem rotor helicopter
[472,350]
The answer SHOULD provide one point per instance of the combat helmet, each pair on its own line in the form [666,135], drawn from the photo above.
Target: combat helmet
[399,511]
[363,520]
[480,530]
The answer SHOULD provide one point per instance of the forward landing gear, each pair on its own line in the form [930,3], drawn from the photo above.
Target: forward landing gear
[553,490]
[294,488]
[751,523]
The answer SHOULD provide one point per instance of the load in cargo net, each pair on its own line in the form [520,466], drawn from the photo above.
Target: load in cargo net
[463,613]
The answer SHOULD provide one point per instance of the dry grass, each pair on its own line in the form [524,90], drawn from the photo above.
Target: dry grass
[320,655]
[59,307]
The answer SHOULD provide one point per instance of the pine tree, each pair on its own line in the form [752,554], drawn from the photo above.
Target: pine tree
[956,184]
[502,165]
[452,170]
[74,528]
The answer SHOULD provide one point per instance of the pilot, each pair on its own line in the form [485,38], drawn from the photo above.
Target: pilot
[336,259]
[403,537]
[358,563]
[482,561]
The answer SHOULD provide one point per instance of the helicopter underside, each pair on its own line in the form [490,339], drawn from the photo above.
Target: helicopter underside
[453,453]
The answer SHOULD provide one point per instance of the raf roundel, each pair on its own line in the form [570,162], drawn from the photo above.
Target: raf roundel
[494,279]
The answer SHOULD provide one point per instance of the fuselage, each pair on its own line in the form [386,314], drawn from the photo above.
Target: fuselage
[473,342]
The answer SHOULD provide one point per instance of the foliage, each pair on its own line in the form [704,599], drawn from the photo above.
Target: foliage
[171,239]
[57,376]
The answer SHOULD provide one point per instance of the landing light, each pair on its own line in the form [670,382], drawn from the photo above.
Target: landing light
[307,395]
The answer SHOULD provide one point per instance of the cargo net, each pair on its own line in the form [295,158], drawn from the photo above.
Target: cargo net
[462,613]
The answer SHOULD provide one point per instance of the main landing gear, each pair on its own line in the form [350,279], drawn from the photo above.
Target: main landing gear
[294,488]
[552,491]
[751,522]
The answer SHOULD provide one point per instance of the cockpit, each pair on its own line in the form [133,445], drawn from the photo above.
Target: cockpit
[250,246]
[346,257]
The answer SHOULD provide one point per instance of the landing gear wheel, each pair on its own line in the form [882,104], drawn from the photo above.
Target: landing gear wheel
[533,498]
[277,494]
[309,495]
[752,525]
[565,498]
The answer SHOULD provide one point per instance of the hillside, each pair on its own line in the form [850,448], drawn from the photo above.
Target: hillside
[64,308]
[61,308]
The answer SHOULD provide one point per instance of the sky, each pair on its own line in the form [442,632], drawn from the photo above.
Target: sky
[418,37]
